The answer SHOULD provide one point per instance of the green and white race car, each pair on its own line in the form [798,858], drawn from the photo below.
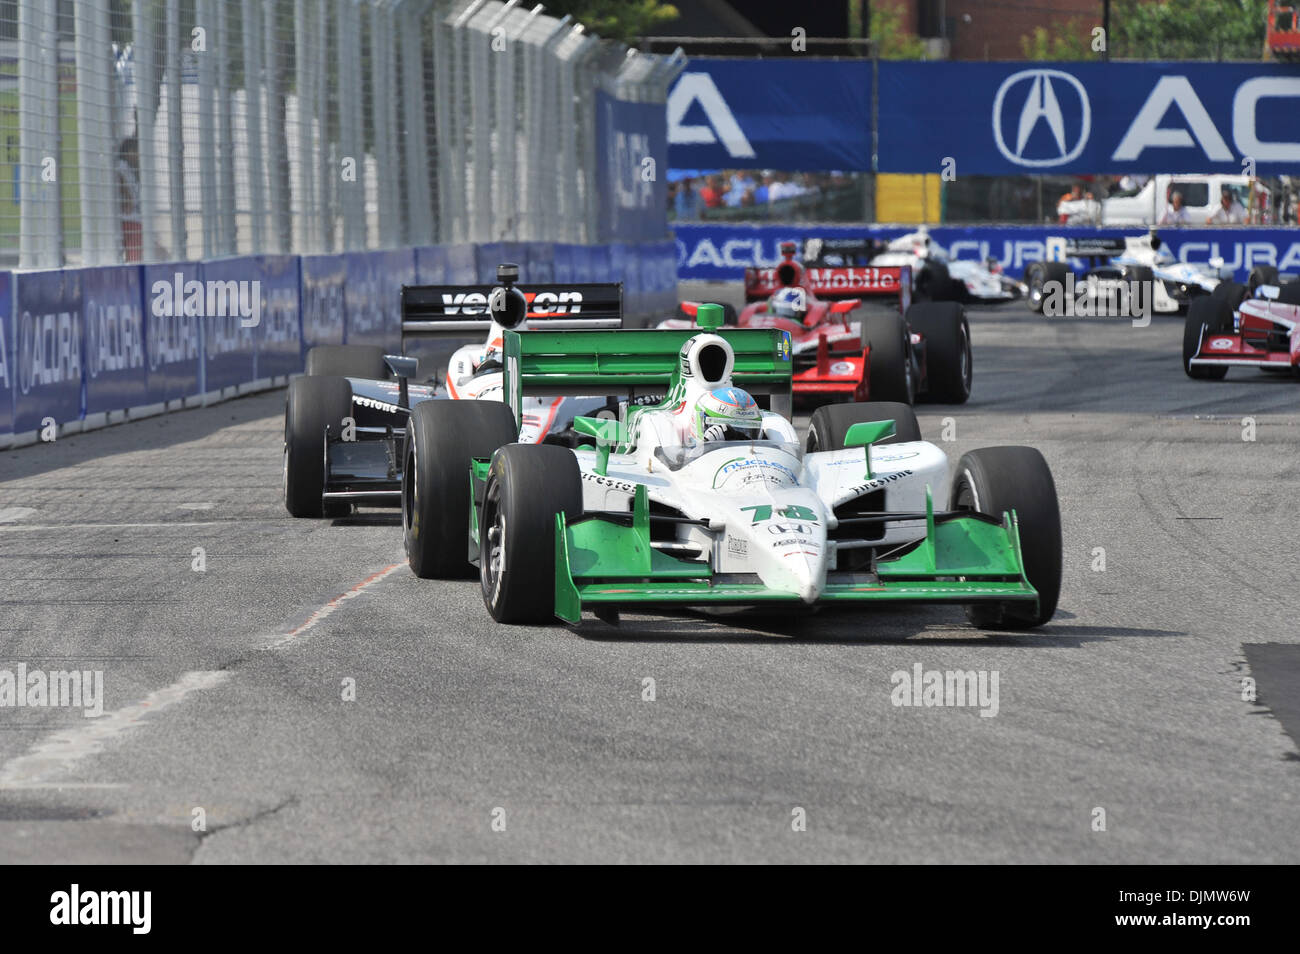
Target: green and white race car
[699,499]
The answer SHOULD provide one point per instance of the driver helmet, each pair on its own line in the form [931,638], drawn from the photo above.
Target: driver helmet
[790,303]
[727,414]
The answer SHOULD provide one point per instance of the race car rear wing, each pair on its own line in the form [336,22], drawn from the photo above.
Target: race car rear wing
[543,363]
[831,283]
[1060,248]
[463,311]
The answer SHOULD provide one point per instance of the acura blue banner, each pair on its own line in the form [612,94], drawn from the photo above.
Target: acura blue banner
[790,114]
[1014,118]
[987,118]
[713,252]
[48,328]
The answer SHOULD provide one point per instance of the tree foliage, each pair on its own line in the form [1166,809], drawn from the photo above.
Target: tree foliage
[1161,30]
[626,20]
[1188,29]
[893,42]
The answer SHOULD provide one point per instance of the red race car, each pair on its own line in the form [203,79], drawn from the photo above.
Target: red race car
[844,351]
[1226,329]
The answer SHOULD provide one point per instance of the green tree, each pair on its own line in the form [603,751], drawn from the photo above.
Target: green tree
[1074,42]
[626,20]
[1188,29]
[893,42]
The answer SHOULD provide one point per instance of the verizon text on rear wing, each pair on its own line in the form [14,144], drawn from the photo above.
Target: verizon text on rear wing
[829,283]
[465,311]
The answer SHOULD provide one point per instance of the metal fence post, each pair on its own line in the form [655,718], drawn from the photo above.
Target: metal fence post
[40,220]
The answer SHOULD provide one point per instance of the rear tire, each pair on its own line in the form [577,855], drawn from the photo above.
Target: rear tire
[994,480]
[946,333]
[831,423]
[1262,275]
[441,438]
[348,361]
[932,282]
[1230,292]
[890,361]
[1204,316]
[1037,276]
[311,406]
[528,485]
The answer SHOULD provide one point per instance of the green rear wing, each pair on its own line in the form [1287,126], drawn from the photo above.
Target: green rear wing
[636,362]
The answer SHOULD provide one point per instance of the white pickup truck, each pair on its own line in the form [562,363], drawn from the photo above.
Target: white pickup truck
[1150,203]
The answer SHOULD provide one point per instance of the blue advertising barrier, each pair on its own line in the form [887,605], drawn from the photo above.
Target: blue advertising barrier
[116,371]
[278,335]
[1016,118]
[225,294]
[462,265]
[324,278]
[721,253]
[628,136]
[131,338]
[6,356]
[807,114]
[373,295]
[48,331]
[796,114]
[541,262]
[174,339]
[431,265]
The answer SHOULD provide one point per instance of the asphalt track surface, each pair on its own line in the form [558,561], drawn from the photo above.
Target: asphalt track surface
[223,688]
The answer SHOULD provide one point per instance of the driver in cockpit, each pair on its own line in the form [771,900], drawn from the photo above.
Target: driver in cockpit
[724,414]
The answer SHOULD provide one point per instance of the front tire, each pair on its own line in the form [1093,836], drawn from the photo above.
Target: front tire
[830,424]
[1204,316]
[890,359]
[946,332]
[994,480]
[441,438]
[312,406]
[527,486]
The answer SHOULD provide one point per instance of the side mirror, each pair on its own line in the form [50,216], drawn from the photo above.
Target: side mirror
[402,366]
[866,433]
[607,434]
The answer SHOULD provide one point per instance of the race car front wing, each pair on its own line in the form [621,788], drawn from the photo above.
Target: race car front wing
[602,562]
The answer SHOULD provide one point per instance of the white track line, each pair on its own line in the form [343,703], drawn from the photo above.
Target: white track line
[320,615]
[56,755]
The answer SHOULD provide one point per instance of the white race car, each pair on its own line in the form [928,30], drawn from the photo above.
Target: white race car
[703,500]
[939,278]
[1131,258]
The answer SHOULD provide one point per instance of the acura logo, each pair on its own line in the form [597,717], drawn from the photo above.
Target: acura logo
[1042,90]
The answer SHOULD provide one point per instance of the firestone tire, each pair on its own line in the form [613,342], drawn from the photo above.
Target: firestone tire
[441,439]
[830,424]
[312,406]
[994,480]
[527,486]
